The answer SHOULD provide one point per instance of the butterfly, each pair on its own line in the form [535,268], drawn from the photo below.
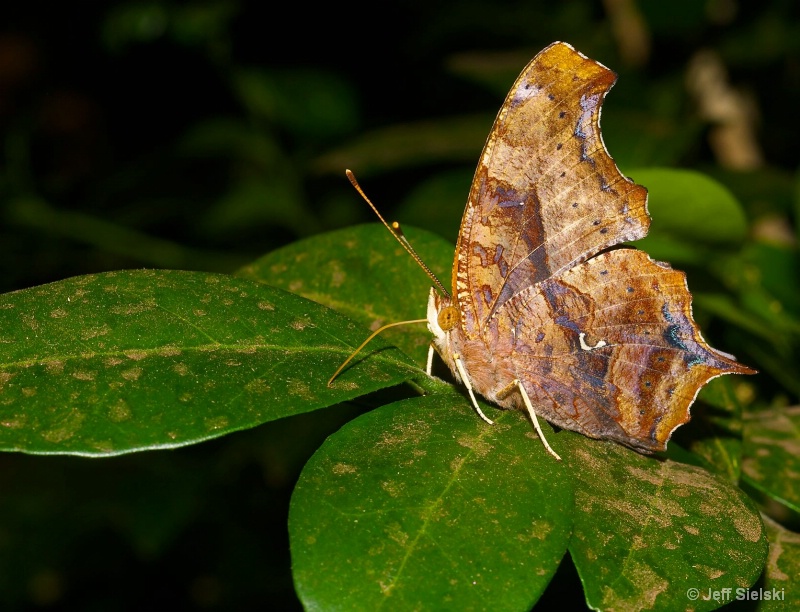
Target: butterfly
[546,313]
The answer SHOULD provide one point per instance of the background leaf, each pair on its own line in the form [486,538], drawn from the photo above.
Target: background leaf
[691,212]
[714,435]
[772,453]
[782,569]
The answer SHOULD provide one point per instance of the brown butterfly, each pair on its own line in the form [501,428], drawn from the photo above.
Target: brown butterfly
[544,315]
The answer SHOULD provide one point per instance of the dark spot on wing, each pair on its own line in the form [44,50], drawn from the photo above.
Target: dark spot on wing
[693,360]
[481,252]
[508,197]
[672,337]
[498,259]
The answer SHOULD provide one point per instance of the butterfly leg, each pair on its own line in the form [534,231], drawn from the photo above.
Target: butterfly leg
[527,400]
[429,365]
[468,385]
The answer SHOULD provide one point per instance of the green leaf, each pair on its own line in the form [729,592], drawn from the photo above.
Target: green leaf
[647,530]
[691,213]
[449,190]
[783,568]
[772,453]
[364,273]
[763,276]
[410,145]
[243,206]
[765,268]
[374,520]
[124,361]
[639,138]
[715,432]
[730,311]
[308,103]
[420,502]
[134,23]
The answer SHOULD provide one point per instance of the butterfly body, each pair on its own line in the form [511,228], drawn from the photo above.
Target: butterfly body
[543,315]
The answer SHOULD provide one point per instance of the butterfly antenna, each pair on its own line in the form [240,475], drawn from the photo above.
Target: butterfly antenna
[394,228]
[363,344]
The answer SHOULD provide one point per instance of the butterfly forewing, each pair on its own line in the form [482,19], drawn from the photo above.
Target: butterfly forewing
[546,194]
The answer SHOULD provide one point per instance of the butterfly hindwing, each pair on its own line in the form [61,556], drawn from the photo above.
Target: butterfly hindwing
[613,351]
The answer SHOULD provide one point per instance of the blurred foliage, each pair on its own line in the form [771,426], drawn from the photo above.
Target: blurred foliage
[200,135]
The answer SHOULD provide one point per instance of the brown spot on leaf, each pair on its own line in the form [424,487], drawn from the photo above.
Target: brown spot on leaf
[392,488]
[749,527]
[216,423]
[88,333]
[395,532]
[132,373]
[67,427]
[15,422]
[5,377]
[119,411]
[181,369]
[343,468]
[477,445]
[133,309]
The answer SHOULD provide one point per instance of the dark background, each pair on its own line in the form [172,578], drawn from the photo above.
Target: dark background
[201,135]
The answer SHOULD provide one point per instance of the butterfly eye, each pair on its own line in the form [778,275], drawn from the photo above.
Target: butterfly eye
[448,317]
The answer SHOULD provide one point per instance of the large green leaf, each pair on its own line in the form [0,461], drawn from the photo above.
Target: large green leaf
[693,215]
[364,273]
[692,207]
[420,504]
[124,361]
[374,517]
[647,531]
